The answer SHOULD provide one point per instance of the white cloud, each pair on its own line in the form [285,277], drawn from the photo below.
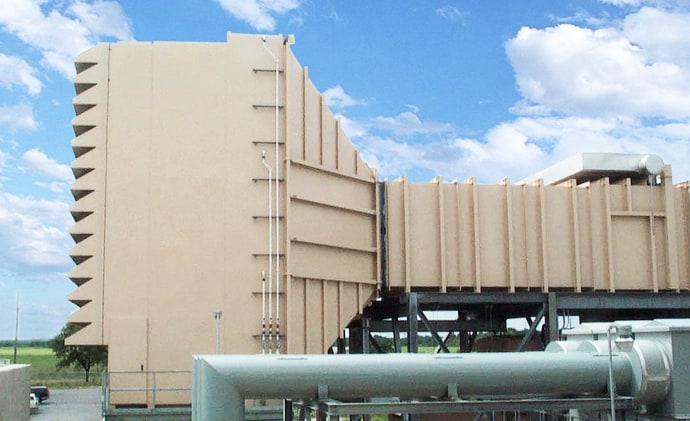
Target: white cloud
[352,128]
[671,45]
[102,18]
[259,13]
[3,160]
[56,187]
[336,98]
[578,71]
[451,13]
[522,147]
[33,237]
[40,162]
[665,4]
[62,34]
[16,71]
[622,2]
[408,123]
[20,116]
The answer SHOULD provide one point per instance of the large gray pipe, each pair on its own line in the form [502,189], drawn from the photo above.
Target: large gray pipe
[221,383]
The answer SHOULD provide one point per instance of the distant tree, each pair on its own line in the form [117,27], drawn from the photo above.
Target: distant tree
[85,357]
[385,343]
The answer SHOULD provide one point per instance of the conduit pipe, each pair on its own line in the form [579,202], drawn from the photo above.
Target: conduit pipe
[222,383]
[277,178]
[270,260]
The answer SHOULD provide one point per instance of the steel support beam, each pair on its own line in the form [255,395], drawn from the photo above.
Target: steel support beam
[552,318]
[440,325]
[412,329]
[532,329]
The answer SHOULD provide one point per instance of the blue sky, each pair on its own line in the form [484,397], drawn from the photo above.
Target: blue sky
[491,89]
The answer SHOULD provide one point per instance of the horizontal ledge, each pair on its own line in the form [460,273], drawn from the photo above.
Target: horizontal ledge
[332,172]
[265,254]
[372,282]
[266,70]
[266,179]
[266,217]
[371,212]
[645,214]
[266,106]
[272,293]
[267,142]
[371,250]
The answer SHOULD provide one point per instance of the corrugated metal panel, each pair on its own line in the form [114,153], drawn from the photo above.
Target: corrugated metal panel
[593,236]
[332,254]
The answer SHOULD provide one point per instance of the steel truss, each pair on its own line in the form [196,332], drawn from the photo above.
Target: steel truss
[473,313]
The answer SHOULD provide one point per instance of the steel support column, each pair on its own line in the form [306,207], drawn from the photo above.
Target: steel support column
[412,329]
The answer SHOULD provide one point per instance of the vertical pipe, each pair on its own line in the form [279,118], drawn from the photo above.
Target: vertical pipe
[16,331]
[270,255]
[263,312]
[277,177]
[277,152]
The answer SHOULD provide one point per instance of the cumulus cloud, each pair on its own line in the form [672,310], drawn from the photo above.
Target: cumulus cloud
[260,14]
[336,98]
[102,18]
[33,236]
[579,71]
[670,45]
[621,87]
[20,116]
[16,71]
[408,123]
[62,30]
[41,163]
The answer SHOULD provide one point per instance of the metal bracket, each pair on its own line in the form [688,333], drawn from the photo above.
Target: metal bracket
[322,392]
[453,391]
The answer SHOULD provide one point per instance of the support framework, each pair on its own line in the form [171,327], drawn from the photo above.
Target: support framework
[467,314]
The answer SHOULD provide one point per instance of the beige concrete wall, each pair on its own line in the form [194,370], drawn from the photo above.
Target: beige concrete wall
[14,392]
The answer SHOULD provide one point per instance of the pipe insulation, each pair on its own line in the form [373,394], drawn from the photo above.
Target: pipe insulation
[222,383]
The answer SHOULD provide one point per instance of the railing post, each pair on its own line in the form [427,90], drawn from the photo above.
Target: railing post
[105,392]
[153,390]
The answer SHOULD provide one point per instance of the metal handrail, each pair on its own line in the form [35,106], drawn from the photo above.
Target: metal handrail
[151,377]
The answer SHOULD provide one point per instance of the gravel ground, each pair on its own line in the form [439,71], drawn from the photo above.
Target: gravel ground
[71,405]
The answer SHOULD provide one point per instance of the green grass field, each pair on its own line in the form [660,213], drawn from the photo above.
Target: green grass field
[43,371]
